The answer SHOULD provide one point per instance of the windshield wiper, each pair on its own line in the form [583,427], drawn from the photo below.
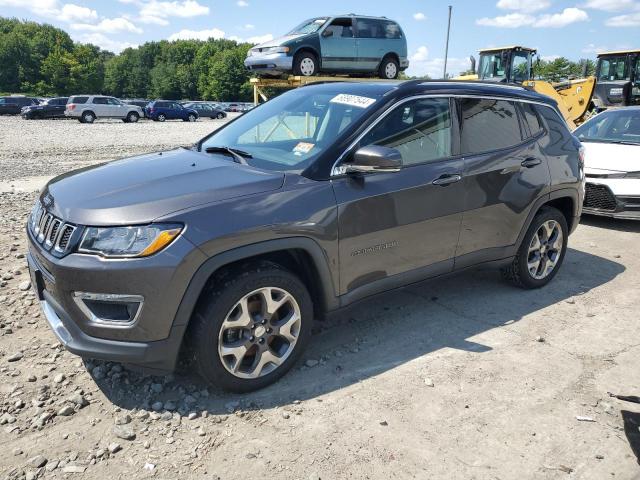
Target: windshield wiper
[239,156]
[623,142]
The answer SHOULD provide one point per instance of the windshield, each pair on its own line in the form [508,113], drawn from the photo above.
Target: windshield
[309,26]
[289,132]
[491,66]
[615,126]
[613,68]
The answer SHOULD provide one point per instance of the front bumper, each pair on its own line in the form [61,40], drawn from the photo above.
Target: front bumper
[269,63]
[600,199]
[153,341]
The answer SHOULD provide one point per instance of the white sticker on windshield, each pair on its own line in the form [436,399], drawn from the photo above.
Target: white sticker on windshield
[353,100]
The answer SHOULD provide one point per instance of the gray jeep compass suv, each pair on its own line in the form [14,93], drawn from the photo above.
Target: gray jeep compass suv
[329,193]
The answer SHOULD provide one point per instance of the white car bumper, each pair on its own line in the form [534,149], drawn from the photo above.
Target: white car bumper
[613,197]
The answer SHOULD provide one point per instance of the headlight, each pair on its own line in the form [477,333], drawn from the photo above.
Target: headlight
[275,50]
[140,241]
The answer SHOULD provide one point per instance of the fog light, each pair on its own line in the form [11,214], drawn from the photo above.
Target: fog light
[109,309]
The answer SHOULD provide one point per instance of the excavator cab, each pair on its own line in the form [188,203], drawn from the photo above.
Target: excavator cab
[618,79]
[508,64]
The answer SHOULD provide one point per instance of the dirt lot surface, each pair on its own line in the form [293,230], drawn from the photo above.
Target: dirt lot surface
[461,378]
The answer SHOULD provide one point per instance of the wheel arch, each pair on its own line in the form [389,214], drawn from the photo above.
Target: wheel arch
[309,49]
[393,55]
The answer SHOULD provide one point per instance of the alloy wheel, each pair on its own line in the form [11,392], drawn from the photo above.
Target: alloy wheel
[545,250]
[259,333]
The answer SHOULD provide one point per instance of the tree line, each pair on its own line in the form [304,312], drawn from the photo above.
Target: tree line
[43,60]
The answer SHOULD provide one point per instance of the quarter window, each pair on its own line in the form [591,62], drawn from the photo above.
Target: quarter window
[419,129]
[532,119]
[488,125]
[100,101]
[78,100]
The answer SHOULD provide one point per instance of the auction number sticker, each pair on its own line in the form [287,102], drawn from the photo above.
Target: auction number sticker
[353,100]
[303,147]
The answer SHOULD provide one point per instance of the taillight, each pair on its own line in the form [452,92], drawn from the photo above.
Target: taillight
[71,106]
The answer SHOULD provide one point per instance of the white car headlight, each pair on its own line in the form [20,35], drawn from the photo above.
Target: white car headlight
[135,241]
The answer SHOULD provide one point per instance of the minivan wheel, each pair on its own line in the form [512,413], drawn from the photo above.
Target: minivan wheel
[161,117]
[133,117]
[305,64]
[542,250]
[88,117]
[389,68]
[250,328]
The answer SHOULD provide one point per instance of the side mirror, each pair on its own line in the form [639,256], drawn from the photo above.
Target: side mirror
[327,33]
[374,158]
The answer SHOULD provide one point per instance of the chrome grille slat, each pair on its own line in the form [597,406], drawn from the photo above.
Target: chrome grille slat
[50,231]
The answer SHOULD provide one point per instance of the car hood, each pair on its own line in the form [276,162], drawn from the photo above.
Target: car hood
[611,157]
[140,189]
[276,42]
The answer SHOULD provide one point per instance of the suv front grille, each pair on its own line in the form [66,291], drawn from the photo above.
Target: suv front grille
[599,197]
[50,231]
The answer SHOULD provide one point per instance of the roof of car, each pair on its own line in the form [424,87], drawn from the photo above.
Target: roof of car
[445,87]
[618,52]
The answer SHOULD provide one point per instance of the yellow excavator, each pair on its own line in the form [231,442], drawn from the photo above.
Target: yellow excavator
[515,64]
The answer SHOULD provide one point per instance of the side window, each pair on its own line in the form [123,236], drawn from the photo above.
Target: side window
[613,68]
[78,100]
[369,28]
[419,129]
[531,118]
[488,125]
[100,101]
[3,101]
[341,28]
[520,68]
[391,30]
[113,101]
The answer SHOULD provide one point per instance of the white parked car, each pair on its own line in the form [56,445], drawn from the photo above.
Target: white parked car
[88,108]
[612,163]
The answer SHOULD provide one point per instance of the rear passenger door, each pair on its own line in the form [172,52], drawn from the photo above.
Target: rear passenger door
[372,42]
[101,107]
[505,172]
[403,224]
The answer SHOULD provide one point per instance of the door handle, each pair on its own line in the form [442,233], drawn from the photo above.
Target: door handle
[447,179]
[531,162]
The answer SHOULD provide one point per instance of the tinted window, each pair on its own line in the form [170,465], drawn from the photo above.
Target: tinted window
[488,125]
[78,99]
[371,28]
[113,101]
[100,100]
[340,27]
[532,119]
[420,130]
[3,101]
[391,29]
[613,68]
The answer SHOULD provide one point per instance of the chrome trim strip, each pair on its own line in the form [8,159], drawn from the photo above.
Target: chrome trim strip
[55,323]
[80,297]
[335,172]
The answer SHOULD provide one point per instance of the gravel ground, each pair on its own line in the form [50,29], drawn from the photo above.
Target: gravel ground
[460,378]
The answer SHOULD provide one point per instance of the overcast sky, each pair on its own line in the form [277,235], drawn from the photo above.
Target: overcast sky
[574,29]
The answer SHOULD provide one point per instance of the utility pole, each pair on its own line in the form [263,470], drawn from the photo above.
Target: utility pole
[446,49]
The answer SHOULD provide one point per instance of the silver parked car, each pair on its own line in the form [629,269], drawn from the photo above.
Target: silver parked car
[87,108]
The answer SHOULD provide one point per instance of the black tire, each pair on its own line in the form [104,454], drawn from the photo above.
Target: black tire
[88,117]
[389,68]
[191,118]
[305,64]
[219,298]
[132,117]
[220,116]
[161,117]
[518,272]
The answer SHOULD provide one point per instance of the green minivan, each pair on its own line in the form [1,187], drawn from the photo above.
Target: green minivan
[340,44]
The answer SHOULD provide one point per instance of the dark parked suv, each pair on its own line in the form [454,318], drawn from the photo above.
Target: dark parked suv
[13,105]
[325,195]
[161,110]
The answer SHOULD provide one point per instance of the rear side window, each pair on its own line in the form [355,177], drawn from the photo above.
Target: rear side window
[100,100]
[78,99]
[371,28]
[419,129]
[531,118]
[488,125]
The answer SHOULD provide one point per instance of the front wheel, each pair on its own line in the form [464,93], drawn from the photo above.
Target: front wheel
[162,117]
[251,328]
[132,117]
[191,118]
[220,116]
[305,64]
[541,252]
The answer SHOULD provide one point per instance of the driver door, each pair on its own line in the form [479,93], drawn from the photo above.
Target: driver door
[338,45]
[399,227]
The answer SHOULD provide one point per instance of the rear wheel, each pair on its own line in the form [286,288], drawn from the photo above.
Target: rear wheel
[389,68]
[305,64]
[251,327]
[542,250]
[88,117]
